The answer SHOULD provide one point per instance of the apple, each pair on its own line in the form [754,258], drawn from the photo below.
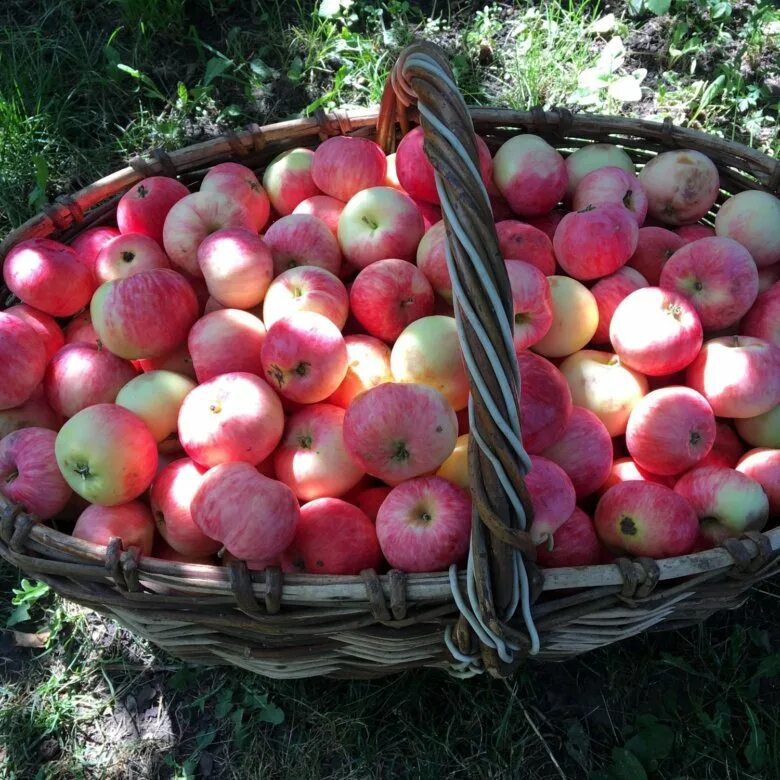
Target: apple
[300,239]
[552,497]
[611,185]
[88,244]
[655,245]
[424,525]
[237,266]
[391,175]
[574,544]
[432,260]
[144,207]
[106,454]
[324,208]
[80,328]
[547,223]
[127,254]
[35,412]
[368,365]
[694,232]
[763,430]
[379,223]
[609,292]
[647,519]
[763,319]
[456,467]
[591,157]
[575,318]
[681,185]
[656,331]
[628,470]
[43,324]
[287,180]
[518,241]
[389,295]
[130,521]
[49,276]
[738,375]
[763,465]
[370,500]
[728,445]
[430,213]
[239,183]
[530,174]
[145,315]
[23,358]
[345,165]
[751,217]
[600,382]
[232,417]
[767,276]
[29,475]
[164,552]
[179,360]
[306,288]
[531,302]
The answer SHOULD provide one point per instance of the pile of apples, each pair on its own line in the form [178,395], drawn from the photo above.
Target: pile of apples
[271,372]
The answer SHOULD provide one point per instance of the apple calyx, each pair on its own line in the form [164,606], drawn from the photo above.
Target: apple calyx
[304,441]
[141,191]
[627,526]
[521,318]
[627,199]
[302,368]
[11,477]
[82,469]
[128,257]
[695,438]
[674,310]
[401,453]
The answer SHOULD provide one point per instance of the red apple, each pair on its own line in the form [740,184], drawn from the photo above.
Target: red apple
[763,319]
[300,239]
[131,522]
[518,241]
[552,497]
[144,207]
[751,217]
[23,358]
[690,233]
[35,412]
[574,544]
[547,223]
[763,430]
[432,260]
[126,255]
[370,500]
[324,208]
[288,181]
[345,165]
[609,292]
[43,324]
[763,465]
[239,183]
[88,244]
[368,365]
[575,318]
[611,185]
[767,276]
[430,213]
[306,288]
[179,360]
[591,157]
[531,302]
[655,245]
[164,552]
[80,329]
[727,444]
[628,470]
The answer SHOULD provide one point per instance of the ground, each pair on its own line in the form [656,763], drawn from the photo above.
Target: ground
[86,83]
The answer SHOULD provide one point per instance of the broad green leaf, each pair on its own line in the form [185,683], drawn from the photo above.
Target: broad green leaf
[19,615]
[612,55]
[653,741]
[592,78]
[215,67]
[626,89]
[626,766]
[658,7]
[271,714]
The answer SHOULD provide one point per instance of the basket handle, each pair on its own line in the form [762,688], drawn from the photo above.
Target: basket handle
[496,576]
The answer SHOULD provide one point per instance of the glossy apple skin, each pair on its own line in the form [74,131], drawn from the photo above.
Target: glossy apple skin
[655,245]
[611,184]
[552,497]
[591,157]
[35,412]
[424,524]
[171,497]
[29,474]
[131,522]
[254,517]
[146,315]
[126,255]
[82,375]
[694,232]
[763,465]
[233,417]
[288,181]
[49,276]
[88,244]
[43,324]
[368,365]
[751,217]
[306,288]
[519,241]
[432,260]
[627,470]
[239,183]
[144,207]
[763,319]
[345,165]
[106,454]
[575,318]
[645,518]
[738,375]
[325,208]
[656,331]
[574,544]
[389,295]
[530,174]
[300,239]
[609,292]
[370,500]
[23,358]
[531,302]
[398,431]
[763,430]
[80,329]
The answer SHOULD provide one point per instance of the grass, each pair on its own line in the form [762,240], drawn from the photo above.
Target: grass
[86,83]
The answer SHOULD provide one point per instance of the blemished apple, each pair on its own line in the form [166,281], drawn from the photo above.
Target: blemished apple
[233,417]
[530,174]
[88,244]
[178,360]
[306,288]
[397,431]
[424,525]
[35,412]
[609,292]
[432,260]
[49,276]
[655,245]
[531,303]
[456,467]
[717,275]
[80,328]
[694,232]
[670,430]
[378,223]
[312,459]
[751,217]
[738,375]
[43,324]
[518,241]
[131,522]
[170,499]
[656,331]
[600,382]
[552,497]
[107,454]
[345,165]
[574,544]
[647,519]
[575,318]
[763,465]
[324,208]
[254,517]
[144,207]
[82,375]
[545,402]
[611,185]
[23,358]
[368,365]
[681,186]
[428,352]
[300,239]
[584,451]
[628,470]
[237,266]
[156,397]
[239,183]
[128,254]
[389,295]
[287,180]
[591,157]
[145,315]
[763,430]
[370,500]
[727,496]
[29,474]
[763,319]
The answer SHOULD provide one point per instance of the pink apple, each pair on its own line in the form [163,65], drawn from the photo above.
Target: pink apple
[763,465]
[656,331]
[239,183]
[728,445]
[547,223]
[763,319]
[145,315]
[164,552]
[345,165]
[767,276]
[763,430]
[575,318]
[131,522]
[300,239]
[655,245]
[432,260]
[430,213]
[424,525]
[80,329]
[391,175]
[88,244]
[530,174]
[128,254]
[179,360]
[368,365]
[144,207]
[233,417]
[751,217]
[690,233]
[23,358]
[628,470]
[306,288]
[591,157]
[49,276]
[609,292]
[389,295]
[106,454]
[574,544]
[518,241]
[324,208]
[35,412]
[738,375]
[378,223]
[611,185]
[29,475]
[552,497]
[43,324]
[531,302]
[288,181]
[370,500]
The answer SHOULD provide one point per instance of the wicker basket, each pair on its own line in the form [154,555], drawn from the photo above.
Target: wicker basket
[371,625]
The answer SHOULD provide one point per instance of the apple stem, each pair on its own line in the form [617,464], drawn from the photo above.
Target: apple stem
[550,542]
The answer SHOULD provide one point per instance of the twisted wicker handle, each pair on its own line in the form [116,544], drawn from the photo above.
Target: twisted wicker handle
[497,577]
